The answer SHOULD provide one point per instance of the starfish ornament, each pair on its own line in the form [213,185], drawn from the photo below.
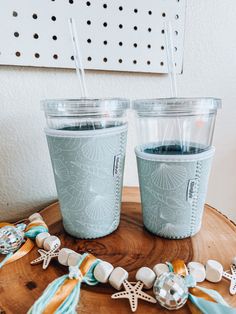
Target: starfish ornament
[133,293]
[232,278]
[45,257]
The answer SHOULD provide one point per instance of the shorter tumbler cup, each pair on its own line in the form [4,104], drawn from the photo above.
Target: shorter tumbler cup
[87,141]
[174,160]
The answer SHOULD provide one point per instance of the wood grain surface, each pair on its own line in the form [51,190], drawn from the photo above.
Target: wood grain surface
[130,246]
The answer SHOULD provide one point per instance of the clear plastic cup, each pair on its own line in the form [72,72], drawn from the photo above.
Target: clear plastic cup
[174,159]
[87,140]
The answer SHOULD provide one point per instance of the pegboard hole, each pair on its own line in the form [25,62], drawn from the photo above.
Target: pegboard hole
[120,60]
[104,5]
[135,28]
[105,42]
[55,56]
[163,14]
[89,22]
[121,8]
[120,25]
[120,43]
[135,45]
[162,63]
[53,18]
[36,36]
[35,16]
[89,41]
[149,46]
[134,61]
[37,55]
[18,54]
[16,34]
[149,29]
[14,13]
[163,31]
[104,59]
[72,58]
[148,62]
[105,24]
[89,59]
[88,3]
[71,1]
[135,10]
[54,37]
[150,12]
[162,47]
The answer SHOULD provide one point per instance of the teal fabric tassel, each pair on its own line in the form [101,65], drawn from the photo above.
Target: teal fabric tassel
[6,259]
[208,307]
[34,231]
[70,304]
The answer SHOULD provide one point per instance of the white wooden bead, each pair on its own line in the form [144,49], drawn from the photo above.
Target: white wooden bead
[117,277]
[160,269]
[147,276]
[40,238]
[214,271]
[102,271]
[234,261]
[51,242]
[197,270]
[35,216]
[64,255]
[73,259]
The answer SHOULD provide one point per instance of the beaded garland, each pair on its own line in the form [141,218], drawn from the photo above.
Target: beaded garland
[173,283]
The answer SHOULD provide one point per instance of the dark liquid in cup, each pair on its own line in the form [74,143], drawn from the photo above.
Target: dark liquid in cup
[88,126]
[174,149]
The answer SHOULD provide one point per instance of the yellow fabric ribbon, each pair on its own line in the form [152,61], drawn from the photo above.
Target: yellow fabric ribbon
[69,284]
[23,250]
[180,268]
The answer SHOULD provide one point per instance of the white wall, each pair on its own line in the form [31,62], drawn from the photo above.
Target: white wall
[209,70]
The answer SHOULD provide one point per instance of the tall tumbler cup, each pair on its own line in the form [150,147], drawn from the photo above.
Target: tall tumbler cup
[87,141]
[174,160]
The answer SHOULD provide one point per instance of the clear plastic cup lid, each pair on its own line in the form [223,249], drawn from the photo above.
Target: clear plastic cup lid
[84,106]
[176,106]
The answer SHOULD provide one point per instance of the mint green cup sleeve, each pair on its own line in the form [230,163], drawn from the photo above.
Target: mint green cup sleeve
[88,169]
[173,191]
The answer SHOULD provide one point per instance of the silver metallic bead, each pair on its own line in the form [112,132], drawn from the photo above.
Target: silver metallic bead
[171,291]
[11,239]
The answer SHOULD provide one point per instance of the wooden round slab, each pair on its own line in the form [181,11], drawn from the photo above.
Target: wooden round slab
[131,247]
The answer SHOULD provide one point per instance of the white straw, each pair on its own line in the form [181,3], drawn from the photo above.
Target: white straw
[77,57]
[170,58]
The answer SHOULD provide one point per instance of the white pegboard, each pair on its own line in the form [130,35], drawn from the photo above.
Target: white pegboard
[119,35]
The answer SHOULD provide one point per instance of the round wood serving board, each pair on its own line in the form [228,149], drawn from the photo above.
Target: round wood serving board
[131,247]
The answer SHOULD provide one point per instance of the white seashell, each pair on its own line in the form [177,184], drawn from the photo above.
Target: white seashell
[160,269]
[73,259]
[169,177]
[197,270]
[102,271]
[63,256]
[94,151]
[40,238]
[214,271]
[100,207]
[35,216]
[117,277]
[51,242]
[147,276]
